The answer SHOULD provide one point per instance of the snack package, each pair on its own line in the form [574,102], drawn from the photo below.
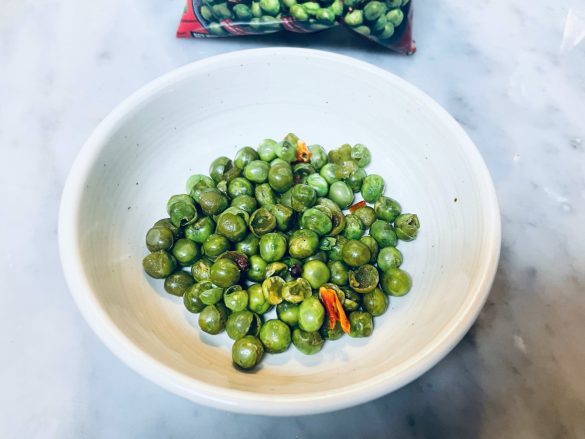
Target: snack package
[388,22]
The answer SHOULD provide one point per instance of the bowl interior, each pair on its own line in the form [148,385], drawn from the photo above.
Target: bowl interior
[148,148]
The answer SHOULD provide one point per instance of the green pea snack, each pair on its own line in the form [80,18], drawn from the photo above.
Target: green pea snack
[388,23]
[272,247]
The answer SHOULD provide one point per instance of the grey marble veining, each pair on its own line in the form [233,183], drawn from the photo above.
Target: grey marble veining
[513,75]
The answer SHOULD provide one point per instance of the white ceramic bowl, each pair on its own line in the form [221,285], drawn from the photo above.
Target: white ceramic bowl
[147,147]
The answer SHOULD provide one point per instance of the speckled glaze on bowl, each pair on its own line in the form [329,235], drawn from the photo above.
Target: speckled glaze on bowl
[147,147]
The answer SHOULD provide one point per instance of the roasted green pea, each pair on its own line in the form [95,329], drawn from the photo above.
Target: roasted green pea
[288,313]
[277,162]
[209,293]
[215,245]
[406,226]
[375,302]
[183,213]
[329,172]
[242,323]
[159,264]
[303,243]
[213,201]
[318,156]
[309,343]
[246,203]
[284,215]
[272,247]
[327,243]
[355,253]
[232,226]
[354,228]
[379,24]
[364,278]
[200,230]
[352,300]
[366,214]
[247,352]
[224,273]
[316,273]
[392,4]
[270,7]
[337,8]
[396,282]
[257,269]
[240,186]
[256,301]
[361,155]
[235,298]
[197,184]
[339,273]
[166,222]
[192,301]
[297,290]
[248,245]
[319,256]
[178,282]
[303,197]
[336,252]
[276,269]
[265,195]
[179,198]
[341,194]
[275,336]
[257,171]
[280,177]
[361,324]
[356,179]
[286,198]
[247,154]
[395,17]
[301,171]
[383,233]
[319,184]
[354,18]
[387,209]
[299,13]
[345,169]
[372,245]
[186,252]
[325,15]
[372,188]
[200,269]
[389,257]
[262,222]
[212,319]
[266,148]
[217,167]
[206,13]
[311,314]
[373,10]
[341,154]
[317,221]
[272,289]
[159,238]
[334,333]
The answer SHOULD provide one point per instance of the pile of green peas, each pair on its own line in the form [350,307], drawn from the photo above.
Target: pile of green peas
[374,19]
[268,229]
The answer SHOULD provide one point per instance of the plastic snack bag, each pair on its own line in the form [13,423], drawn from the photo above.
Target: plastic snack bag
[388,22]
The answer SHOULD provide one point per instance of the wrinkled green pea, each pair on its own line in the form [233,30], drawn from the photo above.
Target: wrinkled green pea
[335,254]
[200,230]
[383,233]
[345,169]
[246,203]
[364,278]
[215,245]
[286,151]
[329,172]
[183,213]
[355,253]
[325,15]
[224,273]
[299,13]
[276,269]
[387,209]
[186,252]
[284,216]
[356,179]
[303,197]
[373,10]
[280,177]
[315,220]
[272,247]
[272,289]
[212,319]
[235,298]
[372,245]
[303,243]
[339,273]
[396,282]
[366,214]
[361,324]
[289,3]
[301,171]
[256,301]
[309,343]
[288,313]
[178,282]
[206,13]
[372,188]
[334,333]
[270,7]
[311,314]
[242,323]
[311,7]
[257,269]
[389,257]
[379,24]
[316,273]
[240,186]
[275,336]
[159,264]
[363,30]
[286,198]
[209,294]
[318,156]
[354,18]
[395,17]
[198,183]
[159,238]
[166,222]
[319,184]
[319,256]
[352,300]
[200,269]
[406,226]
[375,302]
[217,167]
[257,171]
[232,226]
[341,154]
[354,228]
[266,148]
[265,195]
[247,352]
[213,201]
[192,301]
[179,198]
[249,245]
[341,194]
[297,290]
[262,222]
[361,155]
[337,8]
[243,13]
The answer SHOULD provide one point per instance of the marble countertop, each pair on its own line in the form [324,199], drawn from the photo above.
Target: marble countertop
[512,75]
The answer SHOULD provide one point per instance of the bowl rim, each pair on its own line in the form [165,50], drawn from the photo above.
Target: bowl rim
[238,400]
